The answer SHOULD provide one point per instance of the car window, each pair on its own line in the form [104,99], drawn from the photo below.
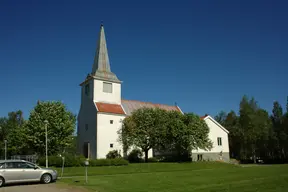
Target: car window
[12,165]
[27,165]
[17,165]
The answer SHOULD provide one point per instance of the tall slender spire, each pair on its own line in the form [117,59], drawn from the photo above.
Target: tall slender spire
[101,67]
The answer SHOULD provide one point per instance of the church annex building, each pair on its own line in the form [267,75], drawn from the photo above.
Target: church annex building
[102,110]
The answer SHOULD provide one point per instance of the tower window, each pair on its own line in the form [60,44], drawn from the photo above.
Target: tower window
[219,141]
[111,145]
[87,89]
[107,87]
[86,127]
[111,121]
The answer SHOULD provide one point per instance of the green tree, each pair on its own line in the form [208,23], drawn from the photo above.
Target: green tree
[176,138]
[245,117]
[143,129]
[254,134]
[3,128]
[287,105]
[12,130]
[185,133]
[235,135]
[254,124]
[165,131]
[3,133]
[126,134]
[284,136]
[221,117]
[263,125]
[71,148]
[60,127]
[198,132]
[276,135]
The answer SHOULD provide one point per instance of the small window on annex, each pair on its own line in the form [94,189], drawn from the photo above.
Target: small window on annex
[219,141]
[111,145]
[199,157]
[107,87]
[111,121]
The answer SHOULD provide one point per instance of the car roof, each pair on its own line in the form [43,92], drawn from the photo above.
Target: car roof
[11,160]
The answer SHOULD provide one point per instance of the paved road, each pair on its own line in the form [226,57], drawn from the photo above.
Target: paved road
[40,188]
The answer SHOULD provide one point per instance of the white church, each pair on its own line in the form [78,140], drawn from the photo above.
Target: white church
[102,110]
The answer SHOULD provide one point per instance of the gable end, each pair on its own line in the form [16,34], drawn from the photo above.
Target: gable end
[218,124]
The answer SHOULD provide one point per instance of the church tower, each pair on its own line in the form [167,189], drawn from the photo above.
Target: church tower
[100,111]
[107,87]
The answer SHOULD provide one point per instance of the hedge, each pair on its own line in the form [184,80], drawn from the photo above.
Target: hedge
[153,160]
[77,161]
[108,162]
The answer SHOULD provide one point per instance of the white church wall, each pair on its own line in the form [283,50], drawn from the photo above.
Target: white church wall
[215,132]
[101,96]
[86,130]
[107,133]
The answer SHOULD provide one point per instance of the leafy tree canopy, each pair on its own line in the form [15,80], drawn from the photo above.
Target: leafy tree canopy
[165,130]
[12,130]
[60,127]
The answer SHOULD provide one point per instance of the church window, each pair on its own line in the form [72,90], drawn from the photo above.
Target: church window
[199,157]
[111,121]
[107,87]
[111,145]
[86,127]
[87,89]
[219,140]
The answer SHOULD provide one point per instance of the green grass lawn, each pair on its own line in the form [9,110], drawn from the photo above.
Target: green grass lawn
[170,177]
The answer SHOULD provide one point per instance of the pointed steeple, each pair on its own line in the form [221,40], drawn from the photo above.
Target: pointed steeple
[101,67]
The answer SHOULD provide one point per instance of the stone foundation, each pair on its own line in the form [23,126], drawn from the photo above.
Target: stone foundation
[211,157]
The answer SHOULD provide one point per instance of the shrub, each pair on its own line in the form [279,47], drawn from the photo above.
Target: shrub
[153,160]
[99,162]
[56,161]
[113,155]
[135,156]
[74,161]
[119,161]
[77,161]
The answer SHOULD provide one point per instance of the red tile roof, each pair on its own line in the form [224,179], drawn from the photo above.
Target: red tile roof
[131,105]
[203,117]
[109,108]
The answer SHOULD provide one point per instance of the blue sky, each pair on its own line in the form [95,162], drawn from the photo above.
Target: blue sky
[204,55]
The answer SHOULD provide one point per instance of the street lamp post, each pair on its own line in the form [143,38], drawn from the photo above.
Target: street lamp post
[86,162]
[63,163]
[46,135]
[5,141]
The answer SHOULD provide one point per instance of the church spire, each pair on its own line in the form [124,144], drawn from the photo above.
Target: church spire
[101,67]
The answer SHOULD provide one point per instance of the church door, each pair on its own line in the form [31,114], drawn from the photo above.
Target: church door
[86,150]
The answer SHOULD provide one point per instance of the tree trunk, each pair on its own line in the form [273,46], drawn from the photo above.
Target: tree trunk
[283,153]
[254,159]
[254,154]
[146,156]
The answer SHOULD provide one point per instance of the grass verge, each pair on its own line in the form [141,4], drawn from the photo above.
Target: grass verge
[171,177]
